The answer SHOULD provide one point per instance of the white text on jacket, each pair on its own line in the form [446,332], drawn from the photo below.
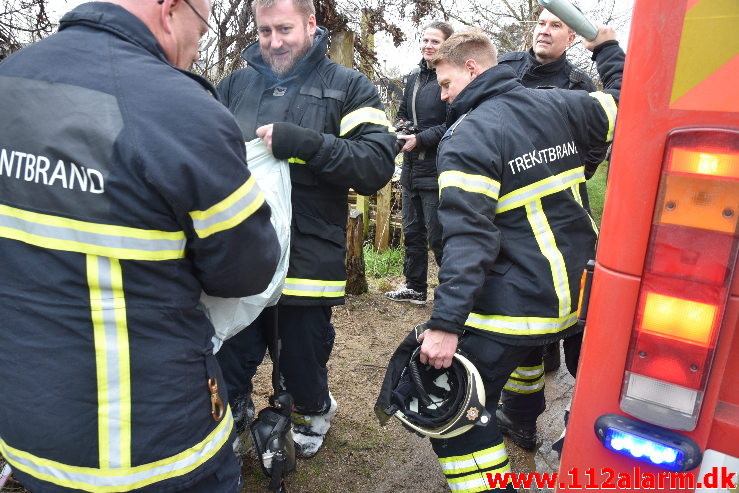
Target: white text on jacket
[531,159]
[39,169]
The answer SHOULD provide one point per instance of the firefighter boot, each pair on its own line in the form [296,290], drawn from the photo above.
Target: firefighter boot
[243,413]
[309,430]
[523,433]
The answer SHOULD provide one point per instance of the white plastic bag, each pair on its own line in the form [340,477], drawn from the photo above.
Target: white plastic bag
[230,315]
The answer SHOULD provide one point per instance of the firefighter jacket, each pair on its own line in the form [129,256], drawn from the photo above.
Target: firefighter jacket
[348,145]
[562,74]
[559,73]
[423,94]
[124,194]
[515,238]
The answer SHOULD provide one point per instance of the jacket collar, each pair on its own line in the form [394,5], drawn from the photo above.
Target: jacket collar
[489,84]
[116,20]
[424,66]
[544,69]
[315,54]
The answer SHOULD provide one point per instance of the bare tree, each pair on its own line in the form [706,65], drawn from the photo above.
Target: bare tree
[22,22]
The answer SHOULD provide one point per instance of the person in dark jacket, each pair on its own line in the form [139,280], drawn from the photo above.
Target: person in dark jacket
[124,193]
[423,108]
[515,238]
[544,66]
[328,122]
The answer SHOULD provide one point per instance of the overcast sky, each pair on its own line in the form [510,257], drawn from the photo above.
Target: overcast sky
[394,61]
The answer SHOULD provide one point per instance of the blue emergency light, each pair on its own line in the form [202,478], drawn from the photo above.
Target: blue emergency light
[648,443]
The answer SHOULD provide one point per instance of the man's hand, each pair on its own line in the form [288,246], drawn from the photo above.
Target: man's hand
[605,33]
[265,133]
[410,142]
[438,348]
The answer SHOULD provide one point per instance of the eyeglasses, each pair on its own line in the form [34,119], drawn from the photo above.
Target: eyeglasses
[196,13]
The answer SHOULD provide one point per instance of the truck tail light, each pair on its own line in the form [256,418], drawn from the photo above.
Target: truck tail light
[690,263]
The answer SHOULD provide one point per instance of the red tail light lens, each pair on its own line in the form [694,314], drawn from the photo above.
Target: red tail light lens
[687,274]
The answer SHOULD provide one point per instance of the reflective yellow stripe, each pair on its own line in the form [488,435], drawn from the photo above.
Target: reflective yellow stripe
[313,288]
[107,240]
[528,371]
[609,106]
[524,387]
[229,212]
[360,116]
[470,483]
[113,480]
[548,246]
[578,198]
[296,160]
[525,326]
[469,183]
[478,460]
[112,360]
[492,460]
[540,189]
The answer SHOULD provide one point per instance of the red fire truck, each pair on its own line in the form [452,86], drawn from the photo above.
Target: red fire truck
[656,401]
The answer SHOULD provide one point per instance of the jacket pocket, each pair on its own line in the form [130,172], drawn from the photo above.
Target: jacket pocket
[501,265]
[319,228]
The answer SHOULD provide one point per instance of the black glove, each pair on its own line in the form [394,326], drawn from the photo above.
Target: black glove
[290,140]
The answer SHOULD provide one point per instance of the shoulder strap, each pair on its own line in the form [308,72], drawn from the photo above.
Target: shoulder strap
[416,85]
[576,76]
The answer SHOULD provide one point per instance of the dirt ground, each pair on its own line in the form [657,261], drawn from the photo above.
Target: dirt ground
[359,455]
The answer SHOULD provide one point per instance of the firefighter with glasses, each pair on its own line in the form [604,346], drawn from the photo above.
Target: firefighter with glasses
[124,194]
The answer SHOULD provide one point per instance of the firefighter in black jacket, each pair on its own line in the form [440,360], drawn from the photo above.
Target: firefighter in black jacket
[124,193]
[544,66]
[423,108]
[328,122]
[515,238]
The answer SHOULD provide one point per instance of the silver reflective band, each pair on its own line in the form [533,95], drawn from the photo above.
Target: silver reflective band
[360,116]
[58,233]
[469,183]
[313,287]
[524,388]
[473,484]
[108,314]
[494,455]
[528,371]
[229,212]
[609,106]
[520,325]
[540,189]
[548,247]
[112,480]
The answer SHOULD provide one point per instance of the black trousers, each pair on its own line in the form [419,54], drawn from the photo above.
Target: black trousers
[522,398]
[421,229]
[306,340]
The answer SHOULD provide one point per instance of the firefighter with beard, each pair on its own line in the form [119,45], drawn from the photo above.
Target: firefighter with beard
[328,122]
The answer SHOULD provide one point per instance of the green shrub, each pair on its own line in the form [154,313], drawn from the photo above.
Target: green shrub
[597,191]
[385,264]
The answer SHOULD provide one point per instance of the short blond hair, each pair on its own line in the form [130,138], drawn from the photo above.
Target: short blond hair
[462,46]
[304,7]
